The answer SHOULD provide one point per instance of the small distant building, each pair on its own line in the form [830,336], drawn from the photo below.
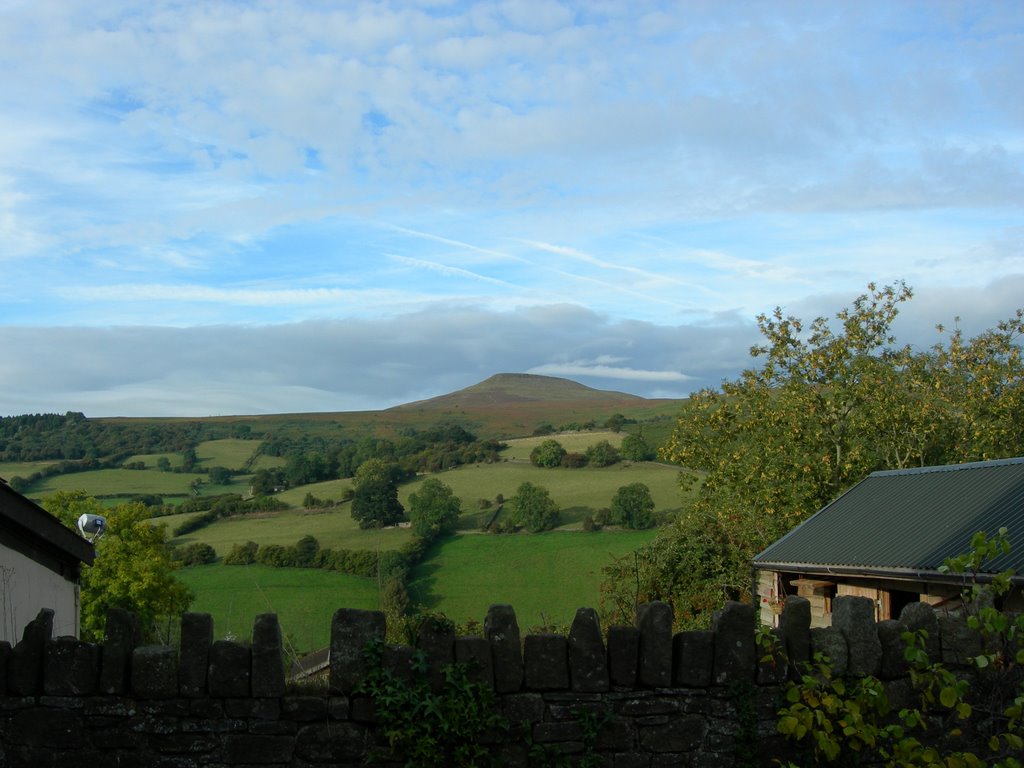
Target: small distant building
[40,567]
[887,537]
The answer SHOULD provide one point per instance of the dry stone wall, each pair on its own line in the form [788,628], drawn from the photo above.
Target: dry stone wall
[700,698]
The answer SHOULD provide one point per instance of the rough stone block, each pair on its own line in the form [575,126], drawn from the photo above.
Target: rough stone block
[680,734]
[502,631]
[546,662]
[338,743]
[588,662]
[25,664]
[921,617]
[854,617]
[399,660]
[70,667]
[830,642]
[194,662]
[437,641]
[735,650]
[352,630]
[154,672]
[230,669]
[122,636]
[246,748]
[890,635]
[623,655]
[654,620]
[694,657]
[267,658]
[958,641]
[476,653]
[795,633]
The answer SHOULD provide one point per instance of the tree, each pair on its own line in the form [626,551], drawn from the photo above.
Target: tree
[434,509]
[219,475]
[615,422]
[635,448]
[533,508]
[375,500]
[602,454]
[633,507]
[829,403]
[307,550]
[548,454]
[133,569]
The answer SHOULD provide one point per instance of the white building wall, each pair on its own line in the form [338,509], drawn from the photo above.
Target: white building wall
[25,587]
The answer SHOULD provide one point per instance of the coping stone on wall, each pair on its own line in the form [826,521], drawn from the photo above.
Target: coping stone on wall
[351,631]
[654,620]
[196,640]
[122,636]
[476,652]
[588,663]
[890,635]
[502,631]
[795,632]
[958,641]
[623,655]
[735,652]
[267,659]
[25,665]
[830,642]
[437,641]
[71,667]
[921,616]
[230,669]
[855,618]
[694,653]
[546,662]
[154,672]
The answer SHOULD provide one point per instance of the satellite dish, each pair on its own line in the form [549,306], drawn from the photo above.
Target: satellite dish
[92,526]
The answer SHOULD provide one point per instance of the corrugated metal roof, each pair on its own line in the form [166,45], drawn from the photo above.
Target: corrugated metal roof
[911,519]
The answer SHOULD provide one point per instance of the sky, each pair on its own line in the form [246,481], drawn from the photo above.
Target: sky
[212,208]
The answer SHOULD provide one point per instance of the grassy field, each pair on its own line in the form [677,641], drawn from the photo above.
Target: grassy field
[303,599]
[229,452]
[329,489]
[100,482]
[545,577]
[574,442]
[578,492]
[333,528]
[9,469]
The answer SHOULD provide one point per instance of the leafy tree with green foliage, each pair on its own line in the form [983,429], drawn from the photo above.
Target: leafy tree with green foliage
[375,500]
[133,569]
[602,454]
[219,475]
[830,403]
[242,554]
[533,508]
[615,422]
[633,506]
[196,553]
[635,448]
[549,453]
[307,552]
[434,509]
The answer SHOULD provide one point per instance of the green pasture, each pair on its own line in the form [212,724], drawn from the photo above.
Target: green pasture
[268,462]
[228,452]
[9,469]
[333,528]
[578,492]
[108,482]
[304,600]
[329,489]
[574,442]
[151,459]
[545,577]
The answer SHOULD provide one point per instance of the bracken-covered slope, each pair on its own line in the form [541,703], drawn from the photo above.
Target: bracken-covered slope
[508,388]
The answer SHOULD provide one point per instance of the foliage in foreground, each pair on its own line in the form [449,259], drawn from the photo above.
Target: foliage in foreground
[949,722]
[829,404]
[133,569]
